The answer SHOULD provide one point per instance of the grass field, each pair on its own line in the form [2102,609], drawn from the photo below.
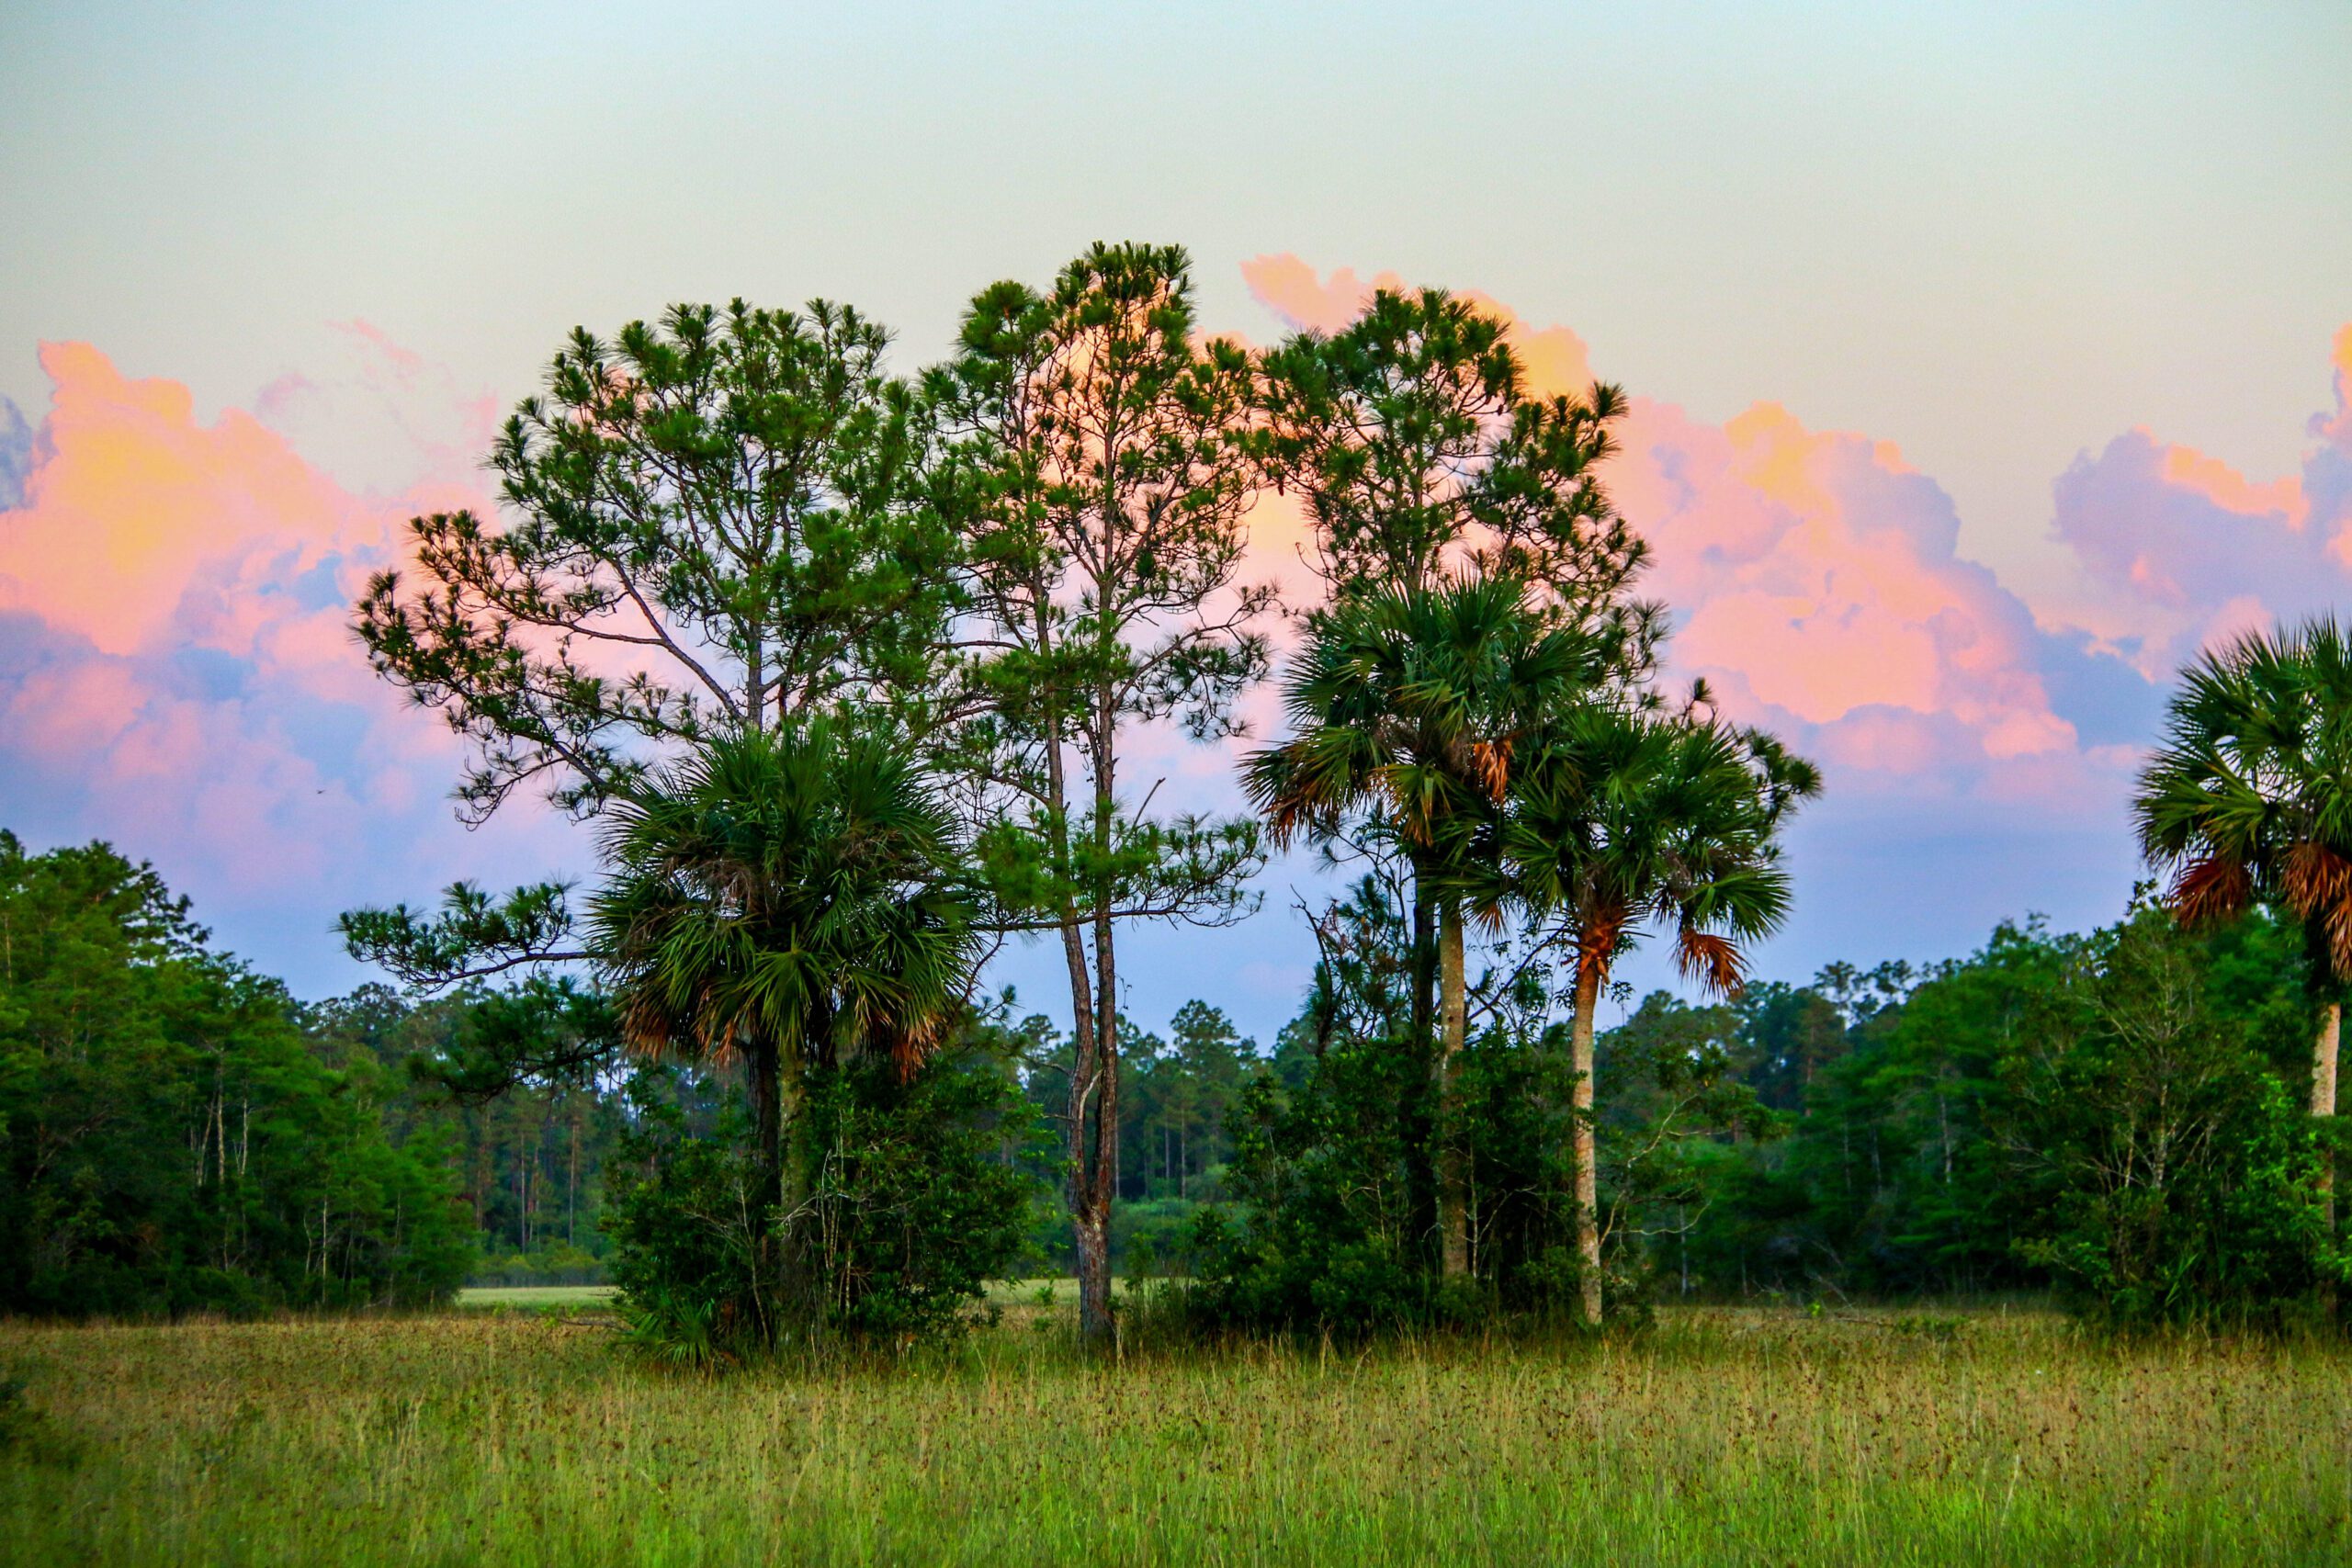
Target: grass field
[518,1436]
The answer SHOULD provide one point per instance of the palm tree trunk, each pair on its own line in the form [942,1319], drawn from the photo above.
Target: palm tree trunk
[763,1079]
[1453,1182]
[1580,1021]
[762,1062]
[2324,1055]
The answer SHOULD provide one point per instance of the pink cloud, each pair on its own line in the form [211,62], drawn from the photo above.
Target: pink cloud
[176,672]
[1554,356]
[2173,550]
[139,523]
[1815,583]
[1813,575]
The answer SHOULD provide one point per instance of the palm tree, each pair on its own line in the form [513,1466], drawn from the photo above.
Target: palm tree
[1409,706]
[2249,800]
[1622,817]
[777,898]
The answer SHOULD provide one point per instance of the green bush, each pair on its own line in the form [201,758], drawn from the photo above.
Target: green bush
[2179,1180]
[914,1199]
[1332,1224]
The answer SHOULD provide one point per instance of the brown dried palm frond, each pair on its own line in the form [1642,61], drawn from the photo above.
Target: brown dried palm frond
[2317,883]
[2210,890]
[1597,943]
[1712,960]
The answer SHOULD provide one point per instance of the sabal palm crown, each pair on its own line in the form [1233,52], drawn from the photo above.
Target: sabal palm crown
[786,889]
[2249,797]
[1622,817]
[1412,707]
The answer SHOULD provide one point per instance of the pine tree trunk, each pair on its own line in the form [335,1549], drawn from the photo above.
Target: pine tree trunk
[1588,1000]
[1090,1227]
[1095,1079]
[1090,1202]
[1454,1179]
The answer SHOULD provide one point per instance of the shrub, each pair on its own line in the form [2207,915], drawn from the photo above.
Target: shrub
[914,1199]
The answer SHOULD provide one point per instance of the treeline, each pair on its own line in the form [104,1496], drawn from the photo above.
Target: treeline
[2119,1117]
[2110,1116]
[530,1159]
[177,1133]
[181,1135]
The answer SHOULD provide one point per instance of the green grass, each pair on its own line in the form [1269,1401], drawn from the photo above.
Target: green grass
[534,1297]
[1720,1437]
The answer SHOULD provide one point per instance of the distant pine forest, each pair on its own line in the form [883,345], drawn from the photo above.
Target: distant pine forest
[2088,1114]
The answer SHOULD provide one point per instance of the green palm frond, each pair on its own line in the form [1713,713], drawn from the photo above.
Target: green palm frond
[1623,817]
[2248,796]
[785,886]
[1413,705]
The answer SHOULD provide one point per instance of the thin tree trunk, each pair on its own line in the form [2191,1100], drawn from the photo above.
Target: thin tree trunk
[1091,1228]
[1423,964]
[761,1063]
[1099,1175]
[1580,1022]
[781,1181]
[571,1185]
[1453,1182]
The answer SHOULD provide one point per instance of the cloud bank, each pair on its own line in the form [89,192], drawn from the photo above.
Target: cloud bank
[176,671]
[2173,550]
[1817,583]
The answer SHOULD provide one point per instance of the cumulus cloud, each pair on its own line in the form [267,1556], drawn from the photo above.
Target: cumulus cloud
[1555,358]
[2173,550]
[175,671]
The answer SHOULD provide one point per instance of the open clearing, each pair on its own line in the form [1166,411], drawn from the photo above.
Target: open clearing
[533,1298]
[527,1298]
[1719,1437]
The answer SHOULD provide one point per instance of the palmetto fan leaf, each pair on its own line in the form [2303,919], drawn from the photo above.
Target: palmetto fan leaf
[783,887]
[1627,816]
[1414,705]
[2249,797]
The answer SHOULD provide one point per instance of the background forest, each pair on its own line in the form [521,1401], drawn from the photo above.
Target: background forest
[2108,1115]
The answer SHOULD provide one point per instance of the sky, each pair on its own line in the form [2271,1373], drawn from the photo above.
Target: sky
[1985,363]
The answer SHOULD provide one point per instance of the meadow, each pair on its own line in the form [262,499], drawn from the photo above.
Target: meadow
[508,1436]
